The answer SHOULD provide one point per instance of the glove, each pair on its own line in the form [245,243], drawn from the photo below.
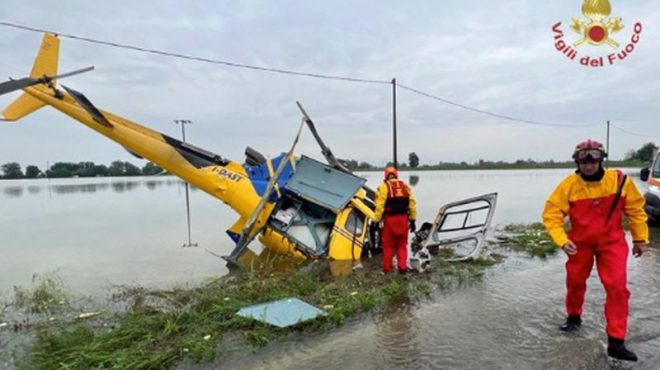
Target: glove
[413,227]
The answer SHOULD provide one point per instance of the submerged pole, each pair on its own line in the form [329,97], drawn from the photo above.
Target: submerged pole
[607,159]
[183,123]
[394,160]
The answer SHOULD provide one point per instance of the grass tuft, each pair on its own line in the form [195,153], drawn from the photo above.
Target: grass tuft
[529,238]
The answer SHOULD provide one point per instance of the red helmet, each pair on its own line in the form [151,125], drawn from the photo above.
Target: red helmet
[589,148]
[391,171]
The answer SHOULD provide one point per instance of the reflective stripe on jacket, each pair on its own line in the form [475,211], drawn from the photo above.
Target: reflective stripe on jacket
[587,204]
[395,197]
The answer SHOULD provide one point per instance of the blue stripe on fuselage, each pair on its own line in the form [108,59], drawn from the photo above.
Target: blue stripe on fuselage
[259,175]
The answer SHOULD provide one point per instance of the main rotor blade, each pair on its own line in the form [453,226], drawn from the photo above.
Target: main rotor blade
[13,85]
[325,150]
[72,73]
[248,233]
[88,106]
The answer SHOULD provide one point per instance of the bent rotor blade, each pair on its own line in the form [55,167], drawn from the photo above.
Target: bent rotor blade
[248,234]
[13,85]
[327,153]
[72,73]
[87,105]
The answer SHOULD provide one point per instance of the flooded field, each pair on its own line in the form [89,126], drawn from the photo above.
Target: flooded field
[96,233]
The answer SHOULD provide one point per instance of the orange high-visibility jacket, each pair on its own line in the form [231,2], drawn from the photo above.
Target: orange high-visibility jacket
[384,193]
[587,204]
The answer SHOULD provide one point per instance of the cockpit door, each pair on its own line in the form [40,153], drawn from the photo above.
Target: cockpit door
[461,225]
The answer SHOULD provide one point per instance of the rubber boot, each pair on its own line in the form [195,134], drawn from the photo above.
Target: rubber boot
[617,349]
[572,323]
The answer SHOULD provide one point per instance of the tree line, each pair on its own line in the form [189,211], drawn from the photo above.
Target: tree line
[13,170]
[633,158]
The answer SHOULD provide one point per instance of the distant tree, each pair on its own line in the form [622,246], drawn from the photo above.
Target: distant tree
[32,172]
[413,160]
[62,169]
[131,170]
[119,168]
[351,164]
[116,168]
[85,169]
[631,154]
[151,169]
[365,166]
[100,170]
[645,153]
[12,170]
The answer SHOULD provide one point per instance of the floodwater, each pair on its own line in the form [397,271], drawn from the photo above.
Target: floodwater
[96,233]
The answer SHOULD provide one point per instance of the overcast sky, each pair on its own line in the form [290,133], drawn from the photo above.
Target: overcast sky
[497,56]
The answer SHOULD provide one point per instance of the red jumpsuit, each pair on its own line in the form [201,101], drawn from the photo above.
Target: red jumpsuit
[596,230]
[396,206]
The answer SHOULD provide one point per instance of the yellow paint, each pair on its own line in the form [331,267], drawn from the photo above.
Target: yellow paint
[228,183]
[344,245]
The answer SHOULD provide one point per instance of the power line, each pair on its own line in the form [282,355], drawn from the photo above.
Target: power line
[296,73]
[195,58]
[496,115]
[633,133]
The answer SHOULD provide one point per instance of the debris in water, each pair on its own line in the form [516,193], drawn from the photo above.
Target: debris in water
[87,315]
[282,313]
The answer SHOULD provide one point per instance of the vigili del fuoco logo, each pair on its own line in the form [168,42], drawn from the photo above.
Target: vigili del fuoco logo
[600,30]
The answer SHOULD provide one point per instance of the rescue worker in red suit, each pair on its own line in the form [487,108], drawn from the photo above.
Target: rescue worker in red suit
[595,201]
[396,206]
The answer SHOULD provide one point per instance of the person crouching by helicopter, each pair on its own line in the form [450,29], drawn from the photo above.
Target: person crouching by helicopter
[397,209]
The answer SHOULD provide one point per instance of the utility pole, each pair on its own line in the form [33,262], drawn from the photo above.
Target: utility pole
[183,123]
[396,165]
[607,159]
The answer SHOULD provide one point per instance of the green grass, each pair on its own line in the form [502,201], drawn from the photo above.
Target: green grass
[47,296]
[162,327]
[528,238]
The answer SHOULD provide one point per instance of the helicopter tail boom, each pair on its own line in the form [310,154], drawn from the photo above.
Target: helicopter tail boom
[45,64]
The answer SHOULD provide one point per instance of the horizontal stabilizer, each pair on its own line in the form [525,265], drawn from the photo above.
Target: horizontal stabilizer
[21,107]
[88,106]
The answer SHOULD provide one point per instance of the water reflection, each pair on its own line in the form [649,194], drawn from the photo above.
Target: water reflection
[413,180]
[121,187]
[152,184]
[397,339]
[34,189]
[78,188]
[15,191]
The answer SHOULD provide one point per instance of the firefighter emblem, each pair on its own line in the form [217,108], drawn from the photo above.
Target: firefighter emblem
[596,29]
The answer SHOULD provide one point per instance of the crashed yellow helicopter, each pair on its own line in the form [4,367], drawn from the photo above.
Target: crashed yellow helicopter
[296,205]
